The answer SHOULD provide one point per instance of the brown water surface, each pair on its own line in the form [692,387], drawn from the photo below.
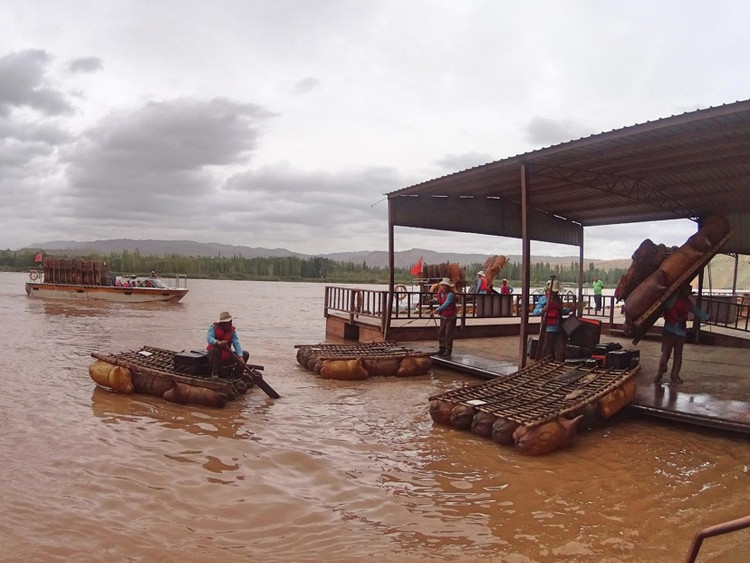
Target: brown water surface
[334,471]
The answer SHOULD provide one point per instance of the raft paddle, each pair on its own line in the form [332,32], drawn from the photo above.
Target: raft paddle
[257,377]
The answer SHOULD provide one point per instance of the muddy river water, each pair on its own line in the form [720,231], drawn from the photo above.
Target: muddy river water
[331,471]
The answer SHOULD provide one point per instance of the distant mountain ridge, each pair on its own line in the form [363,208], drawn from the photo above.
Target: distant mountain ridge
[374,258]
[150,247]
[719,274]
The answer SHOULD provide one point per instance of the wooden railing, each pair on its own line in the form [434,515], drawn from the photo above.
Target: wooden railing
[730,311]
[355,303]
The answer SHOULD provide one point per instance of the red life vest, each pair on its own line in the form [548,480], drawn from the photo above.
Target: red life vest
[226,336]
[554,307]
[442,296]
[679,311]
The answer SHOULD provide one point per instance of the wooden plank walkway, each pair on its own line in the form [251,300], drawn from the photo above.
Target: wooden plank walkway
[715,392]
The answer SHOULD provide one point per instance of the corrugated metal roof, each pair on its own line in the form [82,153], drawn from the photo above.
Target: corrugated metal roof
[692,165]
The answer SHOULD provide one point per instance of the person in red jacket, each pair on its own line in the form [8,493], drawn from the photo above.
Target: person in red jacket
[221,338]
[448,314]
[555,339]
[676,311]
[505,289]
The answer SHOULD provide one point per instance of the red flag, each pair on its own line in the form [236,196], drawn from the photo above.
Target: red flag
[38,257]
[416,269]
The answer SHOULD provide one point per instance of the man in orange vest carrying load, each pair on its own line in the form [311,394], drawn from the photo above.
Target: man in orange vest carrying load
[676,311]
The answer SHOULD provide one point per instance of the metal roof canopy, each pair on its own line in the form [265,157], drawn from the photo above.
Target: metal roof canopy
[689,166]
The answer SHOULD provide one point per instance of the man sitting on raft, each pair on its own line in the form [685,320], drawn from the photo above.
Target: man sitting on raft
[221,338]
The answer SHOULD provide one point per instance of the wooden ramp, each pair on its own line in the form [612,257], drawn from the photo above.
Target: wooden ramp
[476,365]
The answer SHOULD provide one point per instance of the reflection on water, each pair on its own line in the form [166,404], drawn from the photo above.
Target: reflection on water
[333,470]
[112,409]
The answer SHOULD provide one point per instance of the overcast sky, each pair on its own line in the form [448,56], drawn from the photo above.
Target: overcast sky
[282,123]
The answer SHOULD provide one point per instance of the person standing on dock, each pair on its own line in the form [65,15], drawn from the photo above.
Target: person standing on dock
[448,312]
[554,336]
[676,311]
[505,289]
[221,338]
[598,285]
[481,284]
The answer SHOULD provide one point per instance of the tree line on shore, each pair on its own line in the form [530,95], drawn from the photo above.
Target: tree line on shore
[292,268]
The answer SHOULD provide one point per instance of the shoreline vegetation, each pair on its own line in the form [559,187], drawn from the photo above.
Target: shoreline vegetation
[326,270]
[290,268]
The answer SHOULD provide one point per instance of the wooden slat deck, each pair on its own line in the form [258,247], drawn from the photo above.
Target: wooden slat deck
[541,391]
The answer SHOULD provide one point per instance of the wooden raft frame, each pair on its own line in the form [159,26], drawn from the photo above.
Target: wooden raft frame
[540,392]
[160,364]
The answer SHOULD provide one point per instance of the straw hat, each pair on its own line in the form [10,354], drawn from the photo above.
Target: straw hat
[446,281]
[556,287]
[225,317]
[480,273]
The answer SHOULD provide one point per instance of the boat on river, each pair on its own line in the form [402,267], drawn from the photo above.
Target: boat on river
[90,280]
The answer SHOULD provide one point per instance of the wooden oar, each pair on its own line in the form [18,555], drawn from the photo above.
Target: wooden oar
[256,377]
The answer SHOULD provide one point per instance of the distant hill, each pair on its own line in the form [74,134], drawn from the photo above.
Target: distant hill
[719,274]
[161,248]
[407,258]
[374,258]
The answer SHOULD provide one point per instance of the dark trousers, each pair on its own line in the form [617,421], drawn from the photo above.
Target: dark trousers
[214,359]
[598,301]
[671,342]
[554,345]
[445,334]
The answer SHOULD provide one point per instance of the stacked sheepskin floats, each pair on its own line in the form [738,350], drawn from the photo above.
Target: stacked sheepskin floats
[657,272]
[360,361]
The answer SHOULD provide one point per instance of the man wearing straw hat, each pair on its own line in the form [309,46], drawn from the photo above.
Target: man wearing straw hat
[221,338]
[481,283]
[448,313]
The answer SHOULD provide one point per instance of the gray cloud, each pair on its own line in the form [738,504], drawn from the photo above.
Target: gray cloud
[22,83]
[544,132]
[165,159]
[300,206]
[305,85]
[456,162]
[85,64]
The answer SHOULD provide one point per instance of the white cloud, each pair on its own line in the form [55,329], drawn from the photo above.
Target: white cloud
[282,124]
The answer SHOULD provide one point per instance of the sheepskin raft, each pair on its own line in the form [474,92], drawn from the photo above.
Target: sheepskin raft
[540,407]
[360,361]
[152,371]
